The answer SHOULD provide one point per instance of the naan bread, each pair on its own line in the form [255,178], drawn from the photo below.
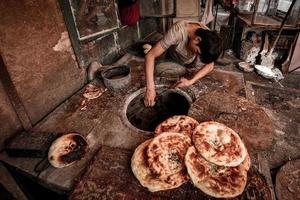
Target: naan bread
[67,149]
[179,124]
[219,144]
[166,154]
[216,181]
[247,162]
[147,179]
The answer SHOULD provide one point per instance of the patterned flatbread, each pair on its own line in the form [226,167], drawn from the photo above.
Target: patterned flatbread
[247,162]
[144,175]
[219,144]
[166,154]
[179,124]
[214,180]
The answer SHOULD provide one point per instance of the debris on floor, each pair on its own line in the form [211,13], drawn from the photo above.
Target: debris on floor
[91,92]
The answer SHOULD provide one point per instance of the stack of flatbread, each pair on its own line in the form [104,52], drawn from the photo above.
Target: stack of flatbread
[209,154]
[218,162]
[158,163]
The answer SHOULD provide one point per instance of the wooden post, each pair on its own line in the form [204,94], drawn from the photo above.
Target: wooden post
[13,96]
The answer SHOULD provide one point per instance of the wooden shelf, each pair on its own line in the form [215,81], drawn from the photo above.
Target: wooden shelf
[263,21]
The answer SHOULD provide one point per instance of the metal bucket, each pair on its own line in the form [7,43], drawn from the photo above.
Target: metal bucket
[116,78]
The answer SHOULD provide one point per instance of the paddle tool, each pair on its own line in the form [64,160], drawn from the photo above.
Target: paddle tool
[268,58]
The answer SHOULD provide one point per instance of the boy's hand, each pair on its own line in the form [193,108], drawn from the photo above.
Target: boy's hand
[149,98]
[183,82]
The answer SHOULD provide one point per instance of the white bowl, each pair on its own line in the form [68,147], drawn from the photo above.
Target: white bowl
[264,71]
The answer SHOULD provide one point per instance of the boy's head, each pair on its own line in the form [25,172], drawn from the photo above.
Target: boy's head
[208,44]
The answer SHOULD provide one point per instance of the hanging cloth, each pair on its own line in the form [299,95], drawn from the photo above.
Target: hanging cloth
[208,12]
[129,14]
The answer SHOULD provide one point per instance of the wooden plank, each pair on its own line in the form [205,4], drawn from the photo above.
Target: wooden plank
[10,184]
[71,27]
[13,96]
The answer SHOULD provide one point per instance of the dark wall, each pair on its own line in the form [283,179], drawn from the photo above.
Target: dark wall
[102,38]
[36,50]
[107,48]
[148,26]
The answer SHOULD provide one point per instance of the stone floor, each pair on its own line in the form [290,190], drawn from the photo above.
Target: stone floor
[105,127]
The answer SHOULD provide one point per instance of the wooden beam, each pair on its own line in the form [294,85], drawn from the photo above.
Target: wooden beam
[13,96]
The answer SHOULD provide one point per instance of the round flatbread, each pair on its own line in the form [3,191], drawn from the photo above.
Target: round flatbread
[144,175]
[166,154]
[216,181]
[67,149]
[247,162]
[219,144]
[179,124]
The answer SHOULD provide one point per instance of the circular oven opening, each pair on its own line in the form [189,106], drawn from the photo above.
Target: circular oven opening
[169,102]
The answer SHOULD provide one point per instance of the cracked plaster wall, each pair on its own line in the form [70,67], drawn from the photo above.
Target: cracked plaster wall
[35,48]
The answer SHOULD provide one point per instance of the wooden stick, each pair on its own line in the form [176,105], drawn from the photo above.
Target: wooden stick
[281,27]
[286,64]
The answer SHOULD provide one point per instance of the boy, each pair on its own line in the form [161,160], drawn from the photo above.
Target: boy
[188,43]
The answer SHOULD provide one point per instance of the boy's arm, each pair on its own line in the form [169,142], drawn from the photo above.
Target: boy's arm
[183,82]
[149,98]
[203,72]
[172,37]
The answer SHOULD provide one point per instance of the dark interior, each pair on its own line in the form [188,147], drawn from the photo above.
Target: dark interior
[117,72]
[168,103]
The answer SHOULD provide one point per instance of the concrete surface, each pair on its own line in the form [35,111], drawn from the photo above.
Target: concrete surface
[248,119]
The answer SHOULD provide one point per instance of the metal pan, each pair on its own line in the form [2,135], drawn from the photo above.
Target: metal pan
[64,151]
